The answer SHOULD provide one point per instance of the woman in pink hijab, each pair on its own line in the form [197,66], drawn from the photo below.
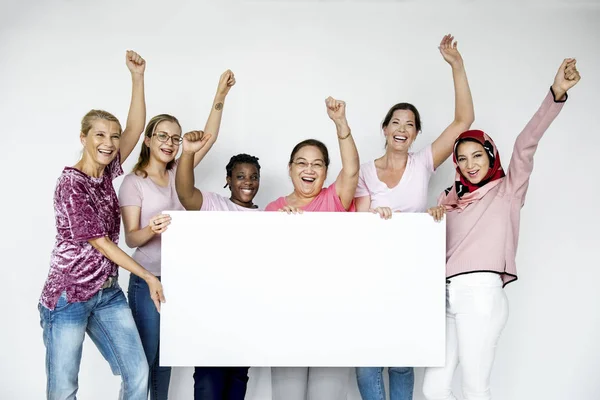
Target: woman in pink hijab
[483,211]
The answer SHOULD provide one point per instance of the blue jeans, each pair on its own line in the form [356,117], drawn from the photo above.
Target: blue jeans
[108,322]
[220,383]
[370,383]
[147,320]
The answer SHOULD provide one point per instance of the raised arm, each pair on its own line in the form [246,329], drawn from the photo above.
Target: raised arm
[464,115]
[213,124]
[189,196]
[136,119]
[521,162]
[346,182]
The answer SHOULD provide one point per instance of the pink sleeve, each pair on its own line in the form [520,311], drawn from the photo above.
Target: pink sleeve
[362,190]
[130,194]
[424,157]
[334,203]
[208,201]
[274,205]
[521,162]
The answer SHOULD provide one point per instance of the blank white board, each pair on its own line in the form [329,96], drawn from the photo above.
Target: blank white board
[316,289]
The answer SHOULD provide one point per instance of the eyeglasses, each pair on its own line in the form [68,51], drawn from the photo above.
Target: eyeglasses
[303,164]
[163,137]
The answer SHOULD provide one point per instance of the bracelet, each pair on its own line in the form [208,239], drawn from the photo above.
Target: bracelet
[347,136]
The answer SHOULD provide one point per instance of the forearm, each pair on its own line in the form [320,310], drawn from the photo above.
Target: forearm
[139,237]
[464,113]
[111,251]
[136,119]
[521,163]
[213,124]
[184,178]
[348,151]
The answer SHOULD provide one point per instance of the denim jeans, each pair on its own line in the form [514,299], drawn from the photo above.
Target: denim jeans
[147,320]
[220,383]
[370,383]
[107,319]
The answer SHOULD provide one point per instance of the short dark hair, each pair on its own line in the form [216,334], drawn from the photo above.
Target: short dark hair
[311,142]
[241,159]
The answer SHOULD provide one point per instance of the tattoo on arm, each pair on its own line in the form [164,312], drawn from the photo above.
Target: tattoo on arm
[219,106]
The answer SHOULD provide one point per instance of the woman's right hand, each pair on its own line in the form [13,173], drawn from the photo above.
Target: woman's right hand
[159,223]
[384,212]
[156,291]
[437,213]
[194,141]
[291,210]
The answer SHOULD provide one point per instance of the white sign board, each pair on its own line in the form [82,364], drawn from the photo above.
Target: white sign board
[316,289]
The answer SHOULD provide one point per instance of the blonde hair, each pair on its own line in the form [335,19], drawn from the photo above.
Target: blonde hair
[92,115]
[142,163]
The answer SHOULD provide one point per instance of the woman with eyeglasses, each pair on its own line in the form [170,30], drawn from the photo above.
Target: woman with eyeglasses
[308,167]
[144,194]
[82,292]
[398,182]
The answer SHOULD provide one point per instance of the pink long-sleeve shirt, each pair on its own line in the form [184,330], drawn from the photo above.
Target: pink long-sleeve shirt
[484,236]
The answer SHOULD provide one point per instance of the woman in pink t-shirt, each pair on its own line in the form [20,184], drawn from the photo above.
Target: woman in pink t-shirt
[482,231]
[308,169]
[398,182]
[243,179]
[143,195]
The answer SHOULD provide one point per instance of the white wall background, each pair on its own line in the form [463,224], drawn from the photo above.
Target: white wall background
[59,59]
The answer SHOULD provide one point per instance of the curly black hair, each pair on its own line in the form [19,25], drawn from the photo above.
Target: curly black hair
[241,159]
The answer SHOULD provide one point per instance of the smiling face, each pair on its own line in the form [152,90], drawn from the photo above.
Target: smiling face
[244,183]
[401,131]
[102,141]
[166,151]
[308,171]
[473,162]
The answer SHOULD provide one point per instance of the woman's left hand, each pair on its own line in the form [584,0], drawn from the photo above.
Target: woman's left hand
[566,77]
[450,51]
[437,213]
[226,82]
[135,62]
[336,109]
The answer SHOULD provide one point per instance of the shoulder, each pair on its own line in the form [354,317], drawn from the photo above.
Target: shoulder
[275,204]
[72,179]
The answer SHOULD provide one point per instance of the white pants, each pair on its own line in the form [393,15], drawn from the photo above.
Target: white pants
[314,383]
[476,313]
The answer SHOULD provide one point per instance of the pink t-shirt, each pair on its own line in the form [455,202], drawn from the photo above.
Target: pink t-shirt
[215,202]
[326,200]
[410,194]
[152,199]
